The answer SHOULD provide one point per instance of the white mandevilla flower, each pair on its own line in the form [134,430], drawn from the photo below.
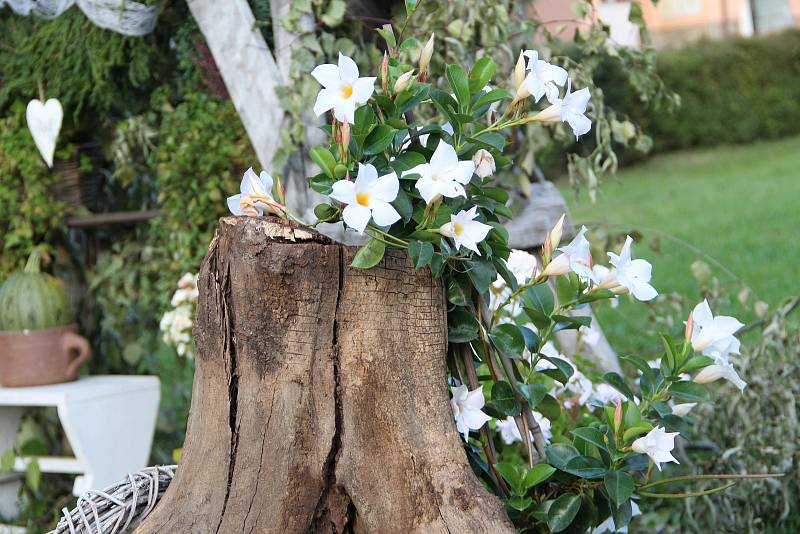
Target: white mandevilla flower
[570,109]
[255,194]
[714,336]
[722,369]
[633,275]
[682,410]
[444,176]
[658,445]
[484,163]
[342,90]
[509,431]
[465,231]
[522,265]
[466,407]
[368,197]
[543,78]
[575,257]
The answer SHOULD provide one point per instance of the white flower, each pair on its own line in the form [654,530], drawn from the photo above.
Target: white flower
[605,394]
[722,369]
[444,176]
[466,407]
[255,192]
[633,275]
[522,265]
[575,257]
[465,231]
[658,445]
[682,410]
[369,196]
[713,336]
[509,431]
[543,77]
[343,91]
[484,163]
[570,109]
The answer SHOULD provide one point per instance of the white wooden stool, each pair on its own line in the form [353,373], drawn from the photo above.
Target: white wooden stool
[108,420]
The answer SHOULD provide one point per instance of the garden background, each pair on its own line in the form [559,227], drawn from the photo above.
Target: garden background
[710,185]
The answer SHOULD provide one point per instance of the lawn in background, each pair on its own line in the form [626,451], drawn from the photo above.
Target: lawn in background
[739,205]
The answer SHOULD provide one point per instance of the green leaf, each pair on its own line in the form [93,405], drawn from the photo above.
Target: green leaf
[618,383]
[558,454]
[459,83]
[509,340]
[504,400]
[388,36]
[540,297]
[322,157]
[7,461]
[696,362]
[550,408]
[461,326]
[369,255]
[321,183]
[403,205]
[563,511]
[531,339]
[378,139]
[409,44]
[445,103]
[421,253]
[636,430]
[514,474]
[480,74]
[532,393]
[538,474]
[411,5]
[591,435]
[619,486]
[563,369]
[491,140]
[406,161]
[33,474]
[689,391]
[520,503]
[632,416]
[458,291]
[495,95]
[585,467]
[642,365]
[482,273]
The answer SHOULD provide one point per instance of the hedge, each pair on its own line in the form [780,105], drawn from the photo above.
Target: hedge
[732,91]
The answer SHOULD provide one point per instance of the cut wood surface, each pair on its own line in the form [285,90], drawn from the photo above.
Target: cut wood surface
[320,401]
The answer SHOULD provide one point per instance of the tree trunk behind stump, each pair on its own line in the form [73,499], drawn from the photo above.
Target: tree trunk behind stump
[320,402]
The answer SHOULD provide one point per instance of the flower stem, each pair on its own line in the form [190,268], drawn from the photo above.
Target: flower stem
[685,495]
[709,477]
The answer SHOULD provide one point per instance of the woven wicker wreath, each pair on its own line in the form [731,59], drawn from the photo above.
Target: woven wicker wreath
[119,507]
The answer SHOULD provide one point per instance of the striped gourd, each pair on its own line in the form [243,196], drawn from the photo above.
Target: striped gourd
[32,300]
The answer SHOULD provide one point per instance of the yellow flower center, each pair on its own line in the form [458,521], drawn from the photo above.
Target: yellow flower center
[347,91]
[363,199]
[458,228]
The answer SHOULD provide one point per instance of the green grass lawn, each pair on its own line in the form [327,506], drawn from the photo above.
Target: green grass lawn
[739,205]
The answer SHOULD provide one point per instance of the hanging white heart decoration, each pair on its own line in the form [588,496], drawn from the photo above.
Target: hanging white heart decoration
[44,123]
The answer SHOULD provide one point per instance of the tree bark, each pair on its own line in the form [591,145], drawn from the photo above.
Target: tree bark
[320,401]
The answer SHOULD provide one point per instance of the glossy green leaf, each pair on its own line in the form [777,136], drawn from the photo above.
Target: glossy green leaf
[459,84]
[539,297]
[324,159]
[461,326]
[538,474]
[618,383]
[532,393]
[558,454]
[421,253]
[585,467]
[369,255]
[508,339]
[619,486]
[481,73]
[378,139]
[504,400]
[689,391]
[563,511]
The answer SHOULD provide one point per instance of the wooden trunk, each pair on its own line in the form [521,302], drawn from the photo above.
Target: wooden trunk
[320,401]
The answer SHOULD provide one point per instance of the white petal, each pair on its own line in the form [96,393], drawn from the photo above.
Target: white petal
[250,183]
[325,101]
[462,172]
[266,182]
[363,89]
[578,100]
[643,291]
[701,315]
[367,174]
[348,70]
[233,204]
[344,110]
[356,216]
[475,399]
[427,189]
[327,75]
[580,124]
[557,75]
[477,231]
[423,169]
[451,189]
[384,213]
[386,187]
[444,158]
[344,191]
[475,419]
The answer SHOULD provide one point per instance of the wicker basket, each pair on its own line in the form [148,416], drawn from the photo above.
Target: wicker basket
[120,507]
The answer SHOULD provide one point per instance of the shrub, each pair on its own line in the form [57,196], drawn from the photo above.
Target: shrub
[733,91]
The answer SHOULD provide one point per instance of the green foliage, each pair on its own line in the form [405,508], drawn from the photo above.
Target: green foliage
[731,91]
[28,212]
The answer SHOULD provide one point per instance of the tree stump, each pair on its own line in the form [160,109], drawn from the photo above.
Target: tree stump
[320,401]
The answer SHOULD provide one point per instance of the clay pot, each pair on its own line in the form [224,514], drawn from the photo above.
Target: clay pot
[39,357]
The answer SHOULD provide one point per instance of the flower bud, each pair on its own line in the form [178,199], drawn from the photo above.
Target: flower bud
[709,374]
[682,410]
[484,163]
[385,72]
[519,71]
[403,82]
[618,416]
[345,139]
[425,58]
[548,114]
[560,265]
[522,94]
[555,233]
[688,329]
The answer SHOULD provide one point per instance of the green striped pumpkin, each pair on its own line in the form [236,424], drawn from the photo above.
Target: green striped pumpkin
[32,300]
